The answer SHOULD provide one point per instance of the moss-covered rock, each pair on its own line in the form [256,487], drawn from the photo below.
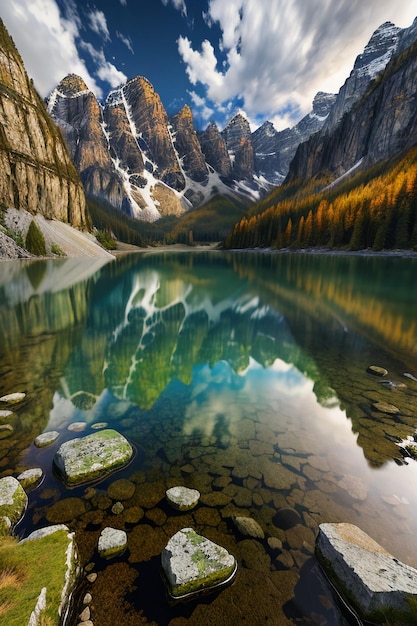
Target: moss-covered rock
[92,457]
[192,564]
[13,499]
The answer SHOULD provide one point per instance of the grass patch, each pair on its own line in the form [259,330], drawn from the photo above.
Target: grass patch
[25,568]
[55,249]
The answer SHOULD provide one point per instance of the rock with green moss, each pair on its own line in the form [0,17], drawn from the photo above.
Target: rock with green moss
[368,576]
[46,439]
[92,457]
[30,477]
[111,542]
[193,564]
[13,499]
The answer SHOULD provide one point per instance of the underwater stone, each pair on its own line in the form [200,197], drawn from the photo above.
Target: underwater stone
[249,527]
[13,499]
[121,489]
[192,563]
[182,498]
[384,407]
[377,371]
[92,457]
[13,398]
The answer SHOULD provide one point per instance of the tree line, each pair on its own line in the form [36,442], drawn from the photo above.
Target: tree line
[375,209]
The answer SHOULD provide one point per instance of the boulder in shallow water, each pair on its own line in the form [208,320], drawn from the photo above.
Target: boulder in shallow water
[92,457]
[13,398]
[193,564]
[367,576]
[46,439]
[13,499]
[182,498]
[112,542]
[30,477]
[376,370]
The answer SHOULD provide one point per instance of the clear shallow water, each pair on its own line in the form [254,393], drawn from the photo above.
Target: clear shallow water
[241,375]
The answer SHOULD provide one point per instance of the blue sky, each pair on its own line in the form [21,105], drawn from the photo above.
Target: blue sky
[266,58]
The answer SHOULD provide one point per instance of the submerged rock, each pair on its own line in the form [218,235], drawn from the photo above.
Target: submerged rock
[192,563]
[384,407]
[376,370]
[182,498]
[13,499]
[249,527]
[366,574]
[13,398]
[92,457]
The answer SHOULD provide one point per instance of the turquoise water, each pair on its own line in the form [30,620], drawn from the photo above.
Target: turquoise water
[241,375]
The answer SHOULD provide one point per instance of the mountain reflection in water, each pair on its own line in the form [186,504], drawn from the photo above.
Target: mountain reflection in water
[242,375]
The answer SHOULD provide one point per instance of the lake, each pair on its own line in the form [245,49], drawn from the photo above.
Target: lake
[243,375]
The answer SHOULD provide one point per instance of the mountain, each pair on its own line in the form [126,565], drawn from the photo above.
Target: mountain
[377,125]
[375,57]
[129,153]
[353,184]
[275,150]
[37,173]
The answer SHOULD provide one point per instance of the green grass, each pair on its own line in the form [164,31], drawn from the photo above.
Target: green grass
[25,568]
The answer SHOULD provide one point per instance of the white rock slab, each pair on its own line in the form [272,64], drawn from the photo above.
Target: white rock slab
[373,578]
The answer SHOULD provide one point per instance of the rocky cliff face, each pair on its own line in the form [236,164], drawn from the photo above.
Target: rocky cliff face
[129,152]
[215,150]
[375,57]
[188,147]
[37,173]
[238,139]
[380,125]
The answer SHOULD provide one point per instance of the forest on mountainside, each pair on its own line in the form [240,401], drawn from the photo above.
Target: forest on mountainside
[376,208]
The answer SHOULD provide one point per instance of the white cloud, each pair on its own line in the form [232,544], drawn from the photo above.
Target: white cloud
[52,53]
[279,53]
[98,24]
[178,4]
[123,3]
[106,71]
[126,40]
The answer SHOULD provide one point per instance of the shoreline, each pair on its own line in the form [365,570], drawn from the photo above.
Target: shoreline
[397,253]
[126,248]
